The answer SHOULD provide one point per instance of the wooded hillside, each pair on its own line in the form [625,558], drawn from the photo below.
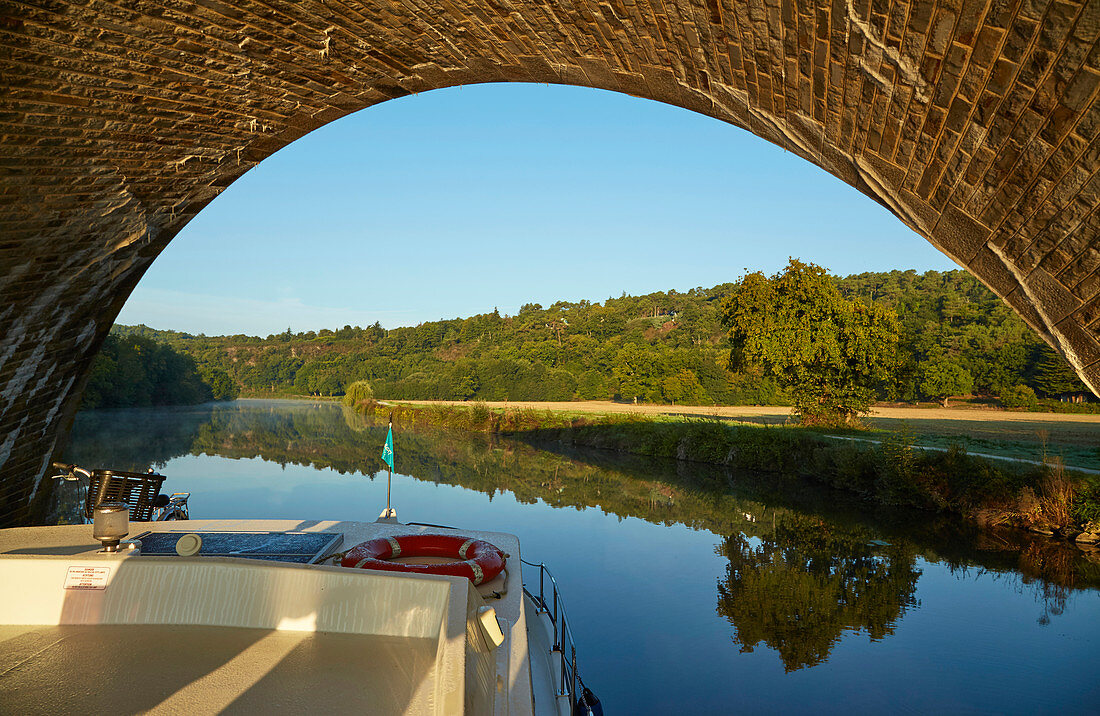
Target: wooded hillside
[669,347]
[138,371]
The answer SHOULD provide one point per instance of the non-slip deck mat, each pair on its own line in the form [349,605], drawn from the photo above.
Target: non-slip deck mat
[301,547]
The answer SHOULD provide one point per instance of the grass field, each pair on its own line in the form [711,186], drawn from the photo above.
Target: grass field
[1029,436]
[1076,443]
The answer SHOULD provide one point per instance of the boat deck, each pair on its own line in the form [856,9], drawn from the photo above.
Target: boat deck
[216,633]
[189,669]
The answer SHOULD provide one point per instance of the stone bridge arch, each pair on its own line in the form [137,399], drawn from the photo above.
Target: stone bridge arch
[974,121]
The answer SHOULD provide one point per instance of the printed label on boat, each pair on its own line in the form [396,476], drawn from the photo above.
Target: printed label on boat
[87,577]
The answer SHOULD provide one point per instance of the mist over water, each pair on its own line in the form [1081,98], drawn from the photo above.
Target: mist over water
[692,589]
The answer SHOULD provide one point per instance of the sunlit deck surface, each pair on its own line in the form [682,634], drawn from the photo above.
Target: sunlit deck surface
[187,669]
[209,634]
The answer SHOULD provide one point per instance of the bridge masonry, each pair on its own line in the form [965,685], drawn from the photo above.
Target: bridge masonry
[974,121]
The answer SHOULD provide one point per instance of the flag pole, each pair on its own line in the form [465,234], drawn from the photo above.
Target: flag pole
[390,515]
[389,473]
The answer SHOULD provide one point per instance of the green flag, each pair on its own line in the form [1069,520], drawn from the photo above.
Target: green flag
[387,452]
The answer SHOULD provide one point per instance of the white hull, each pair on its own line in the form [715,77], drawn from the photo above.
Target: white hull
[83,630]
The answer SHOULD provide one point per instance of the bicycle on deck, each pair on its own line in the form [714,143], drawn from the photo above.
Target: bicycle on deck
[140,491]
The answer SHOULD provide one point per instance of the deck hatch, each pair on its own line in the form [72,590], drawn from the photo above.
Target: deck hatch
[300,547]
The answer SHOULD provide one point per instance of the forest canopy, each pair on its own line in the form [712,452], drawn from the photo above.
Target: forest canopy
[953,336]
[136,371]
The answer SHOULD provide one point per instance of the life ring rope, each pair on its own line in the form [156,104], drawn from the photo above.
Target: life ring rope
[477,560]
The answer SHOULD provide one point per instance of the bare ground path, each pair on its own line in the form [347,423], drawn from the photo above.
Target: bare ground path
[735,411]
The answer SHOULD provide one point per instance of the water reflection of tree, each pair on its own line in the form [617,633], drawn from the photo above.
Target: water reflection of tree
[800,584]
[1049,570]
[135,439]
[1037,561]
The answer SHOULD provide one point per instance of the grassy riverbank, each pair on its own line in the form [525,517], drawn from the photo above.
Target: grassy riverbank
[892,471]
[1009,434]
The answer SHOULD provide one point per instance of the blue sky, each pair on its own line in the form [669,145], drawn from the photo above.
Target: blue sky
[454,202]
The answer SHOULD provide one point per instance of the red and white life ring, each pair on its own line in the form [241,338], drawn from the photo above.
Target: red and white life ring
[480,561]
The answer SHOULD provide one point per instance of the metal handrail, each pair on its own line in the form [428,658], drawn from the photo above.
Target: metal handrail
[563,635]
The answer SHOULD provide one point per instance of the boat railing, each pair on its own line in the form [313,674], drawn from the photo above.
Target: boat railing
[550,603]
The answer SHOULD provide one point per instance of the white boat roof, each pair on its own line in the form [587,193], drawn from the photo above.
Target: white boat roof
[81,630]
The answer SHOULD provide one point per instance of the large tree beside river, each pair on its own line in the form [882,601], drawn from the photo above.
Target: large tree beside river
[833,354]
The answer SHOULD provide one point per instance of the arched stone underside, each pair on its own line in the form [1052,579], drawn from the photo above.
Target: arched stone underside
[974,121]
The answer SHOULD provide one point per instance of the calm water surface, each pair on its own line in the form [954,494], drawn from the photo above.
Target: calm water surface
[692,589]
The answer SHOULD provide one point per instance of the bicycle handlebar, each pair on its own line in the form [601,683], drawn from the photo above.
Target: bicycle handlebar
[70,470]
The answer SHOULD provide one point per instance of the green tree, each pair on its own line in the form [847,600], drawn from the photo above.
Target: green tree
[832,353]
[1052,375]
[467,386]
[326,384]
[941,377]
[221,385]
[683,387]
[137,371]
[638,373]
[1020,396]
[358,392]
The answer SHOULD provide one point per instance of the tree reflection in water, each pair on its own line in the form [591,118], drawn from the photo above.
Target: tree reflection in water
[803,582]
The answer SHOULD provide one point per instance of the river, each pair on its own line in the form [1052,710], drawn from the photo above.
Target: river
[691,589]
